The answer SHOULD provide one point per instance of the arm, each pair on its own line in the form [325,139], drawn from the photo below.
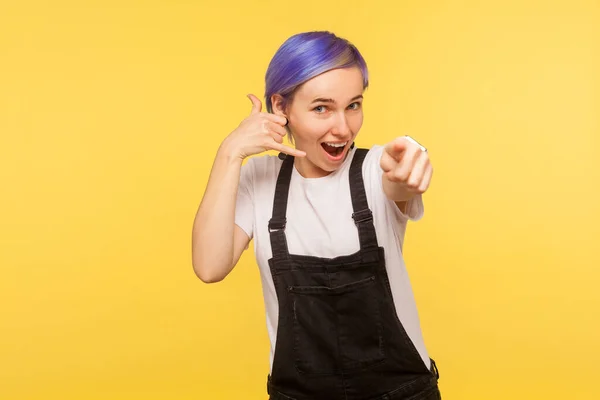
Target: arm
[217,243]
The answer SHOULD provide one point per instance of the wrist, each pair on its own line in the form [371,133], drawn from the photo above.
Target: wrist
[229,153]
[401,196]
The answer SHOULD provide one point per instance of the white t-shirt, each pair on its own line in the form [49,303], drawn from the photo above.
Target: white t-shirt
[319,223]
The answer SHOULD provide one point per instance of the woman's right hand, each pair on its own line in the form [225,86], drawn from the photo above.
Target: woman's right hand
[259,132]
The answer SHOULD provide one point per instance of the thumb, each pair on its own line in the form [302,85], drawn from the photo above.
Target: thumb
[256,104]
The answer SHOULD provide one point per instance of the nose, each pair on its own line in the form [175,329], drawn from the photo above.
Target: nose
[341,127]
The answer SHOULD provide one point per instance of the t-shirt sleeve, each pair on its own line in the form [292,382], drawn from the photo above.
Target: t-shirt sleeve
[415,208]
[244,206]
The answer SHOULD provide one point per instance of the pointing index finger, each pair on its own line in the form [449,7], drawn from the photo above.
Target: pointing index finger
[396,147]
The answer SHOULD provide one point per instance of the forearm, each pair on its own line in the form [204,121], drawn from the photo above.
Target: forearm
[213,231]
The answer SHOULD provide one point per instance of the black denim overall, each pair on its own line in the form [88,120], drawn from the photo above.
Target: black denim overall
[338,335]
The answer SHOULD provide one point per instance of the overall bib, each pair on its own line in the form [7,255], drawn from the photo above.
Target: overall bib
[339,336]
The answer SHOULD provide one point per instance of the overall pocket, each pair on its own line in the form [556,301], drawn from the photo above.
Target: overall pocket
[337,329]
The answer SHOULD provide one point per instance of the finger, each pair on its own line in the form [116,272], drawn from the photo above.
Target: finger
[276,137]
[418,172]
[426,179]
[278,119]
[387,162]
[406,165]
[276,128]
[396,148]
[288,150]
[256,104]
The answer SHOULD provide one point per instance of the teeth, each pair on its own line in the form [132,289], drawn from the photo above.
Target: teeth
[337,144]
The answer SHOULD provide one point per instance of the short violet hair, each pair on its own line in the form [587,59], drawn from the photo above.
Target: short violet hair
[306,55]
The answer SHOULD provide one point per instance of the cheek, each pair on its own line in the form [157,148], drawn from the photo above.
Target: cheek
[311,128]
[355,122]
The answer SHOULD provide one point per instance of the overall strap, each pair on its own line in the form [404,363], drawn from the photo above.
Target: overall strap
[278,219]
[363,217]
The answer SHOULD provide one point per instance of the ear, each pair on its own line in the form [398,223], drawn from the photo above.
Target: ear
[278,105]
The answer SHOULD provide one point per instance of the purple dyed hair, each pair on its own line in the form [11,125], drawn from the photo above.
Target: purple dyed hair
[306,55]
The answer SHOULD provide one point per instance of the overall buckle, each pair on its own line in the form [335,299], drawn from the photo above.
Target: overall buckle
[276,225]
[362,216]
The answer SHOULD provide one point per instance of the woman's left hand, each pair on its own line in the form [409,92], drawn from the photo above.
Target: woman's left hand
[406,168]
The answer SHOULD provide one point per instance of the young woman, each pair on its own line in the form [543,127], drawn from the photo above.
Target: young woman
[328,221]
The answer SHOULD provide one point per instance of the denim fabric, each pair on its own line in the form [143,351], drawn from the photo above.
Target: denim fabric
[338,336]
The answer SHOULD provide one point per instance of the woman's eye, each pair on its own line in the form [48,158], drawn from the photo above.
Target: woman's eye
[319,109]
[354,106]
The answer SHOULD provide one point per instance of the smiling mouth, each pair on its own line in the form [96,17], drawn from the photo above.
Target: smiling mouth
[334,149]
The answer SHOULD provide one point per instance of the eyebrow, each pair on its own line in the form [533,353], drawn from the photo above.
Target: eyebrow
[325,100]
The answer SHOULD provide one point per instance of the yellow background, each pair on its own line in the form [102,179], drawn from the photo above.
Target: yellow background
[110,116]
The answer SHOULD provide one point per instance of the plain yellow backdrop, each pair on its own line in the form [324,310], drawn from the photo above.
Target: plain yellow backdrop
[110,116]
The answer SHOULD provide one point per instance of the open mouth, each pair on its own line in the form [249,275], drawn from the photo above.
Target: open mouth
[334,149]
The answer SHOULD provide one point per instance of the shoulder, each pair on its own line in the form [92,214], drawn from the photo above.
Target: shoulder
[374,154]
[261,162]
[261,167]
[373,174]
[371,165]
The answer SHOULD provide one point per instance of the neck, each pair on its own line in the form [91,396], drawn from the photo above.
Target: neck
[309,170]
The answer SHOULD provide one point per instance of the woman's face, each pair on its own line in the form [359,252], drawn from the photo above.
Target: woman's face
[324,117]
